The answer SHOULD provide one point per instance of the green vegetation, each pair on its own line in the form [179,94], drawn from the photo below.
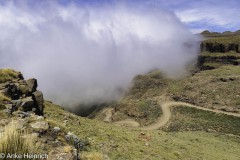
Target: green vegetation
[211,65]
[233,55]
[3,97]
[7,75]
[191,119]
[224,40]
[126,143]
[14,141]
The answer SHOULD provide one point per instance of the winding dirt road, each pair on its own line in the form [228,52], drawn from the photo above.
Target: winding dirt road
[163,120]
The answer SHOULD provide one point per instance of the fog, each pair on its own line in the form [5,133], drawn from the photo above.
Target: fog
[87,54]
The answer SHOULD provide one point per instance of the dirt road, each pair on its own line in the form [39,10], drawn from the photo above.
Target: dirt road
[163,120]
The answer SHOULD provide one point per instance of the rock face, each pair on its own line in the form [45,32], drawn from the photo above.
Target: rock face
[24,96]
[218,47]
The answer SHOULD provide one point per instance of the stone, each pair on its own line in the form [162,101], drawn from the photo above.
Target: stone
[40,125]
[56,129]
[37,96]
[23,114]
[17,103]
[27,104]
[60,156]
[32,84]
[12,91]
[24,89]
[39,118]
[75,141]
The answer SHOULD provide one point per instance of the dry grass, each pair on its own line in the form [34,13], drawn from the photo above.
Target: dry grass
[92,156]
[7,75]
[15,141]
[4,98]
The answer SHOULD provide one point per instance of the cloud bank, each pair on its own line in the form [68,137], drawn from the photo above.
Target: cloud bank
[90,54]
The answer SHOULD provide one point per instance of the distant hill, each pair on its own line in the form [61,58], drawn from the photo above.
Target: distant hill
[207,33]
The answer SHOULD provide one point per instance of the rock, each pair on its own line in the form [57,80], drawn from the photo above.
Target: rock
[12,91]
[23,114]
[53,155]
[75,141]
[40,125]
[32,84]
[37,96]
[20,123]
[24,89]
[56,129]
[39,118]
[146,144]
[218,47]
[27,104]
[17,103]
[223,79]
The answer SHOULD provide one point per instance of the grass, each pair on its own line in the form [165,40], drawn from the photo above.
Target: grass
[7,75]
[224,40]
[14,142]
[123,143]
[233,55]
[211,65]
[4,98]
[185,118]
[92,156]
[145,111]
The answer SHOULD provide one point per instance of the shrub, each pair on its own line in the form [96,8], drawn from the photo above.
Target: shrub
[14,141]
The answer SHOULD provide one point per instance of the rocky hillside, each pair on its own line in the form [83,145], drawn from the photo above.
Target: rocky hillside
[23,126]
[219,49]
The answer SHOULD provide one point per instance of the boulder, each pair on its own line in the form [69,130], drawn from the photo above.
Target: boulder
[12,91]
[37,96]
[32,84]
[75,141]
[24,89]
[27,104]
[40,125]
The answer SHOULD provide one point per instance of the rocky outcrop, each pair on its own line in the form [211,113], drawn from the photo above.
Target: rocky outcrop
[219,47]
[23,95]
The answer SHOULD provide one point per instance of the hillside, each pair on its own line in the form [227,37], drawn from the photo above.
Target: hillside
[192,117]
[219,49]
[107,141]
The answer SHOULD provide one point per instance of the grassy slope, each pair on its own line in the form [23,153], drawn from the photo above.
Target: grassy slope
[124,143]
[215,60]
[225,40]
[188,119]
[7,75]
[216,88]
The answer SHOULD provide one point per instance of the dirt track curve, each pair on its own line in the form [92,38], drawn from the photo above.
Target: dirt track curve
[161,121]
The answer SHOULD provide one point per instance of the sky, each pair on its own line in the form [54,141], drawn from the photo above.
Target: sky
[197,15]
[90,50]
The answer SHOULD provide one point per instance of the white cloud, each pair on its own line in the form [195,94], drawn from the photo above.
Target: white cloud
[92,54]
[210,13]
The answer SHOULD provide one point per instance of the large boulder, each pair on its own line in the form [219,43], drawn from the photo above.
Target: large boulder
[32,84]
[27,104]
[37,96]
[12,91]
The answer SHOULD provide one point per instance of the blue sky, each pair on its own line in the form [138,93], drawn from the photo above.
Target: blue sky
[198,15]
